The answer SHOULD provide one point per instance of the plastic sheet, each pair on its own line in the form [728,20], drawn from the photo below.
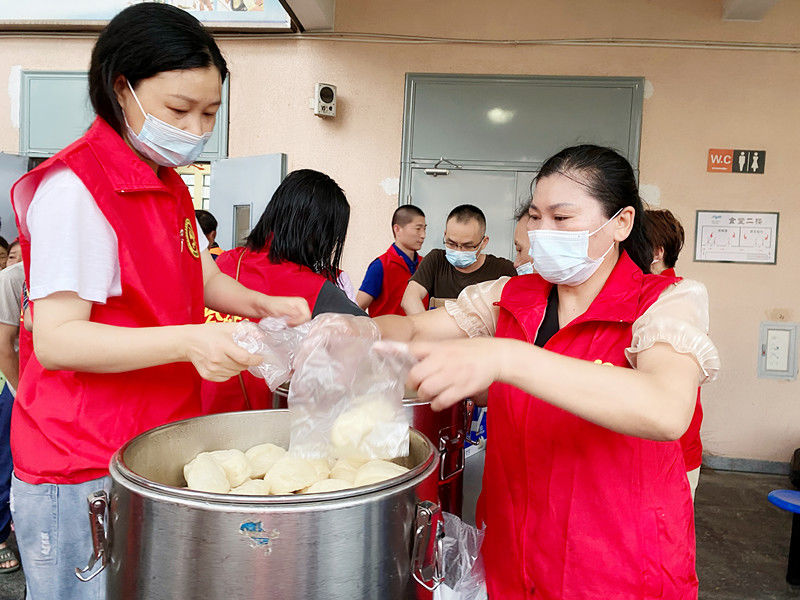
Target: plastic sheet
[276,343]
[462,565]
[346,396]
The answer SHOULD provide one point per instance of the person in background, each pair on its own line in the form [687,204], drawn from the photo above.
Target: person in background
[387,276]
[14,253]
[120,347]
[667,237]
[295,247]
[444,273]
[523,262]
[3,252]
[209,226]
[12,281]
[594,366]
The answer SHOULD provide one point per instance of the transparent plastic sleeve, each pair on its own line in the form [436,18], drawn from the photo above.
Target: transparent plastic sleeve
[462,565]
[346,395]
[275,342]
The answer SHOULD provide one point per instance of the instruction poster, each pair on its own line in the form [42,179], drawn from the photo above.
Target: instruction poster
[740,237]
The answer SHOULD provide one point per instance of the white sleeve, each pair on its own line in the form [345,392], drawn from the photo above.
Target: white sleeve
[73,246]
[474,310]
[202,240]
[679,318]
[344,284]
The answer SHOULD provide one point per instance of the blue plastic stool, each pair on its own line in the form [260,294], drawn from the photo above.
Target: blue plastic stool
[790,500]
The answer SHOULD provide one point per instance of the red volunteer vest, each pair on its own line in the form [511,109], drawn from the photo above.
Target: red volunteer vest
[67,424]
[25,341]
[573,510]
[395,279]
[691,445]
[257,272]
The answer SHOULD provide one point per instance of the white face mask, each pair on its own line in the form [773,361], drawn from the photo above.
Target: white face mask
[525,269]
[165,144]
[562,257]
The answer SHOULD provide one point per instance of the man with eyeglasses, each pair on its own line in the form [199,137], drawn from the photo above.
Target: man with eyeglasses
[442,274]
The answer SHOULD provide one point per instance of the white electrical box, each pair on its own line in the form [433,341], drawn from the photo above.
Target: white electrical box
[324,102]
[777,350]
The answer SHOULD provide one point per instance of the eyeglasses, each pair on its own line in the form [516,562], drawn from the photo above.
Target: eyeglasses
[468,247]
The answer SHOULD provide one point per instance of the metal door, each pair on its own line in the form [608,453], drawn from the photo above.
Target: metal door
[240,190]
[494,192]
[12,167]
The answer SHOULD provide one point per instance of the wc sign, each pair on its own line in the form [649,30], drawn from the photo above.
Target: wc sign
[721,160]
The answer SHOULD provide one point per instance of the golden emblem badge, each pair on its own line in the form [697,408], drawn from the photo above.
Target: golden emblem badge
[191,239]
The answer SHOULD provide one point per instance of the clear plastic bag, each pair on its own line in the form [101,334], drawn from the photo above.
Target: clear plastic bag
[462,565]
[346,396]
[275,342]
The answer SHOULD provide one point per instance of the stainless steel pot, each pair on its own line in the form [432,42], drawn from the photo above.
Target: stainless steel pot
[162,541]
[447,429]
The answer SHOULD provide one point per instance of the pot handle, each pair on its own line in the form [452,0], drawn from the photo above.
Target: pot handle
[426,555]
[451,443]
[98,504]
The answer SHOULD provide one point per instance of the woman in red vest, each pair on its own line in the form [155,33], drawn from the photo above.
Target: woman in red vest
[295,248]
[666,235]
[593,365]
[113,263]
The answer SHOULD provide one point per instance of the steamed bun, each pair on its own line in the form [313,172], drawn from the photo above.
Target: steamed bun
[253,487]
[352,427]
[235,464]
[204,474]
[322,467]
[328,485]
[376,471]
[262,457]
[291,474]
[345,468]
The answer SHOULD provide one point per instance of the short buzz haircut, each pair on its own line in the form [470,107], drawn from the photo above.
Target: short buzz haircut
[403,215]
[665,231]
[465,213]
[206,220]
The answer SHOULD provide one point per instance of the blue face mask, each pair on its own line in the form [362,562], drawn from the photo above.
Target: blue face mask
[525,269]
[461,259]
[165,144]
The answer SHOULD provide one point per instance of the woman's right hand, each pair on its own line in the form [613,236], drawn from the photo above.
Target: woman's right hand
[212,351]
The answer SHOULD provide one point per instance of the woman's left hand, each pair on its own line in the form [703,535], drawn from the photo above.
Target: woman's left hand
[448,372]
[294,309]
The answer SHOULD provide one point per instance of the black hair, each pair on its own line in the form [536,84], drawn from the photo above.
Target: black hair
[523,210]
[665,231]
[467,212]
[12,244]
[403,215]
[140,42]
[206,220]
[305,222]
[4,244]
[610,180]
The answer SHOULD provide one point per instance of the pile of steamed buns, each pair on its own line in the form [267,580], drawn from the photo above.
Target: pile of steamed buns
[268,469]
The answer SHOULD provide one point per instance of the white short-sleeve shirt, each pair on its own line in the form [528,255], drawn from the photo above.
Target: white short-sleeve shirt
[73,246]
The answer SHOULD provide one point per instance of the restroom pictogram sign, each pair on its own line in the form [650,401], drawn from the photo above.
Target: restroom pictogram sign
[725,160]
